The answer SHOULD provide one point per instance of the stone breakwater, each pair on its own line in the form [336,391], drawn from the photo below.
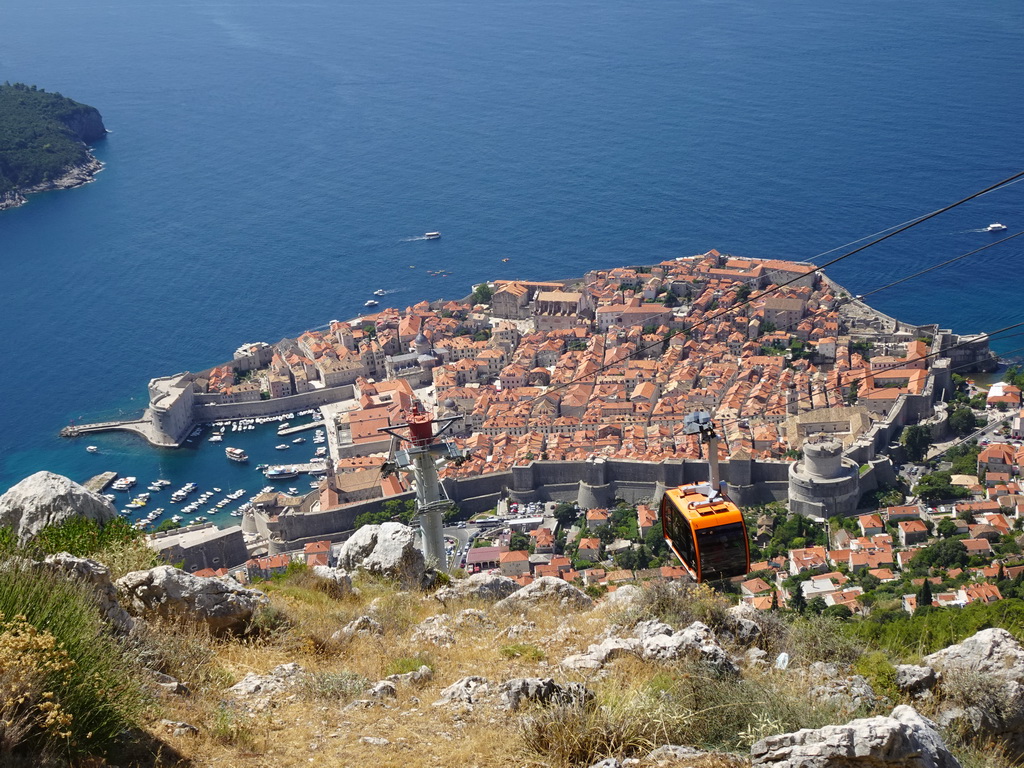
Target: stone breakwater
[74,176]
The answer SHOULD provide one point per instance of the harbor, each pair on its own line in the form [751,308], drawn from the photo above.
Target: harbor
[148,487]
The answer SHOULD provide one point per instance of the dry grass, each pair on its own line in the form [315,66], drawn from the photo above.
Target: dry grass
[639,705]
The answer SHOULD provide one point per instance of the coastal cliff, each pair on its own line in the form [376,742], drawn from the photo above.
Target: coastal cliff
[44,140]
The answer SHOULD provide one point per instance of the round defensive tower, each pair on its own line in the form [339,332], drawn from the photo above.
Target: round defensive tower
[595,496]
[824,483]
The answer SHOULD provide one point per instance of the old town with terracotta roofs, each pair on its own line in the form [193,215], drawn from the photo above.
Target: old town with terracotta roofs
[608,366]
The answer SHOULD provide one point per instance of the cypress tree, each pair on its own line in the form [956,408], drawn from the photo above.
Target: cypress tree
[924,594]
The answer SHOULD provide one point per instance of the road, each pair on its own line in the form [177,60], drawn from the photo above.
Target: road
[986,431]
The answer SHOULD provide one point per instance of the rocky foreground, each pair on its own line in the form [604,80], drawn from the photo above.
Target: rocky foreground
[382,661]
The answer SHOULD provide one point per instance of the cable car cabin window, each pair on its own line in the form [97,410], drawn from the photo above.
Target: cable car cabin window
[723,551]
[678,530]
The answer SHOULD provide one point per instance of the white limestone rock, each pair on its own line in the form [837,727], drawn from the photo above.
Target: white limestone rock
[340,577]
[421,676]
[984,677]
[387,550]
[915,680]
[904,739]
[623,598]
[697,639]
[741,623]
[467,691]
[364,625]
[46,499]
[991,651]
[474,618]
[385,689]
[548,590]
[599,654]
[535,690]
[846,693]
[262,691]
[97,576]
[176,728]
[482,586]
[435,630]
[673,755]
[222,604]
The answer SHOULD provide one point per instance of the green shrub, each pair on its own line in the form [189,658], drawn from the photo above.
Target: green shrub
[678,604]
[674,707]
[407,664]
[523,651]
[880,672]
[337,687]
[231,730]
[821,638]
[100,692]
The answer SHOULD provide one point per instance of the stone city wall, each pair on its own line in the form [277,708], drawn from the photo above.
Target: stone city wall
[273,407]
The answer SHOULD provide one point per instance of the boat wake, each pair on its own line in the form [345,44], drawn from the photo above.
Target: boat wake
[413,239]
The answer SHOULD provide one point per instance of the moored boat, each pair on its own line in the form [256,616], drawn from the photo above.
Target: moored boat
[281,473]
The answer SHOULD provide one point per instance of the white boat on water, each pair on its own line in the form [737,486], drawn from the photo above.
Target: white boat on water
[236,454]
[995,227]
[431,235]
[371,303]
[92,449]
[379,292]
[282,447]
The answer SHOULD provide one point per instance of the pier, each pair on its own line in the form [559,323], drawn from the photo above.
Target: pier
[282,431]
[99,483]
[75,430]
[142,426]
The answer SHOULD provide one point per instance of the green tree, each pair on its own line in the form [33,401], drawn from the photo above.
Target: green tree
[943,554]
[817,605]
[924,594]
[962,421]
[937,486]
[519,541]
[797,601]
[654,540]
[917,440]
[841,612]
[482,294]
[627,559]
[566,514]
[946,528]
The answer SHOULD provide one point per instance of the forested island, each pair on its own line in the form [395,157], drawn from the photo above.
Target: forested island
[44,140]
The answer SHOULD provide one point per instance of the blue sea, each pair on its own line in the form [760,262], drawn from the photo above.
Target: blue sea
[270,164]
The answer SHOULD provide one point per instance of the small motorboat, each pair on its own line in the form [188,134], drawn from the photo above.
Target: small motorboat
[282,447]
[371,303]
[431,235]
[92,449]
[379,292]
[995,227]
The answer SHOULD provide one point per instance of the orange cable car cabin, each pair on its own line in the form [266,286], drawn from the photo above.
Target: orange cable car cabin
[707,535]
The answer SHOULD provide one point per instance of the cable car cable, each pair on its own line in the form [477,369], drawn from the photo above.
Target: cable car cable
[891,232]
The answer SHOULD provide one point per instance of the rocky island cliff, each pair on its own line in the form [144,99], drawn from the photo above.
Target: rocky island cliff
[44,140]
